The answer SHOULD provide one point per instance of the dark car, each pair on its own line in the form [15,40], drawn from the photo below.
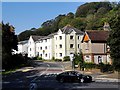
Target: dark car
[73,76]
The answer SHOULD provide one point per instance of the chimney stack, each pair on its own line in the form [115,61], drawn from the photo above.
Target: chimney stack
[106,26]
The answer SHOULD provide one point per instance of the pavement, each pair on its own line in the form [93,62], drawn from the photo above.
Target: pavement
[104,77]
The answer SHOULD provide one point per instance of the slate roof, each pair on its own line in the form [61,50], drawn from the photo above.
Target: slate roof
[68,29]
[36,38]
[52,34]
[98,35]
[49,36]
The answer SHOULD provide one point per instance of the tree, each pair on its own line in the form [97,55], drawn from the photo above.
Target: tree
[9,42]
[91,8]
[78,23]
[78,60]
[70,15]
[65,21]
[114,40]
[9,39]
[90,16]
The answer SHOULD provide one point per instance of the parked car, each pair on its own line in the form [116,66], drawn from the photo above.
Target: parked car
[73,76]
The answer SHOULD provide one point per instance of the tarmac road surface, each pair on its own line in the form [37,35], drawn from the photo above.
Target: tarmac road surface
[43,76]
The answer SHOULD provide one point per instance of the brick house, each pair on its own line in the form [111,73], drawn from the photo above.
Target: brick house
[94,46]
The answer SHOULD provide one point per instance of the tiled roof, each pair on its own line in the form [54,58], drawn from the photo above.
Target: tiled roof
[68,29]
[35,38]
[98,35]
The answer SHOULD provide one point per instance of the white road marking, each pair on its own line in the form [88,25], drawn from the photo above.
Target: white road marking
[47,71]
[40,74]
[5,82]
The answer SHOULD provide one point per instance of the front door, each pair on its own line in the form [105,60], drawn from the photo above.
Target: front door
[99,59]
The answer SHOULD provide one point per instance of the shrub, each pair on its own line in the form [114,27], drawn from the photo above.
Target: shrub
[66,58]
[14,61]
[89,65]
[39,58]
[34,58]
[58,60]
[105,67]
[53,58]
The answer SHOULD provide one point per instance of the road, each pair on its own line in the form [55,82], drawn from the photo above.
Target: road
[43,76]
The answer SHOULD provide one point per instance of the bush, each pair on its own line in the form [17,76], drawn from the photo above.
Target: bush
[105,67]
[89,65]
[53,58]
[58,60]
[13,61]
[34,58]
[66,58]
[99,66]
[39,58]
[6,61]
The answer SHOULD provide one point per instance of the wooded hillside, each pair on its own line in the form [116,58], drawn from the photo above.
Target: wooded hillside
[89,16]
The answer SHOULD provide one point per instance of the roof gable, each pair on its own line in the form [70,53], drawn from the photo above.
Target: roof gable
[86,38]
[59,31]
[68,29]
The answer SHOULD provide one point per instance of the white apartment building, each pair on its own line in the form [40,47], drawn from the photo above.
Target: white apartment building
[32,45]
[45,48]
[67,41]
[22,48]
[63,43]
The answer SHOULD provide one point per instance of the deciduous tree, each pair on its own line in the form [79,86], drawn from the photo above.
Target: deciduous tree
[114,40]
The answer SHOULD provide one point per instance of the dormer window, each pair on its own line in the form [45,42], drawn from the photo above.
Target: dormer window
[45,40]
